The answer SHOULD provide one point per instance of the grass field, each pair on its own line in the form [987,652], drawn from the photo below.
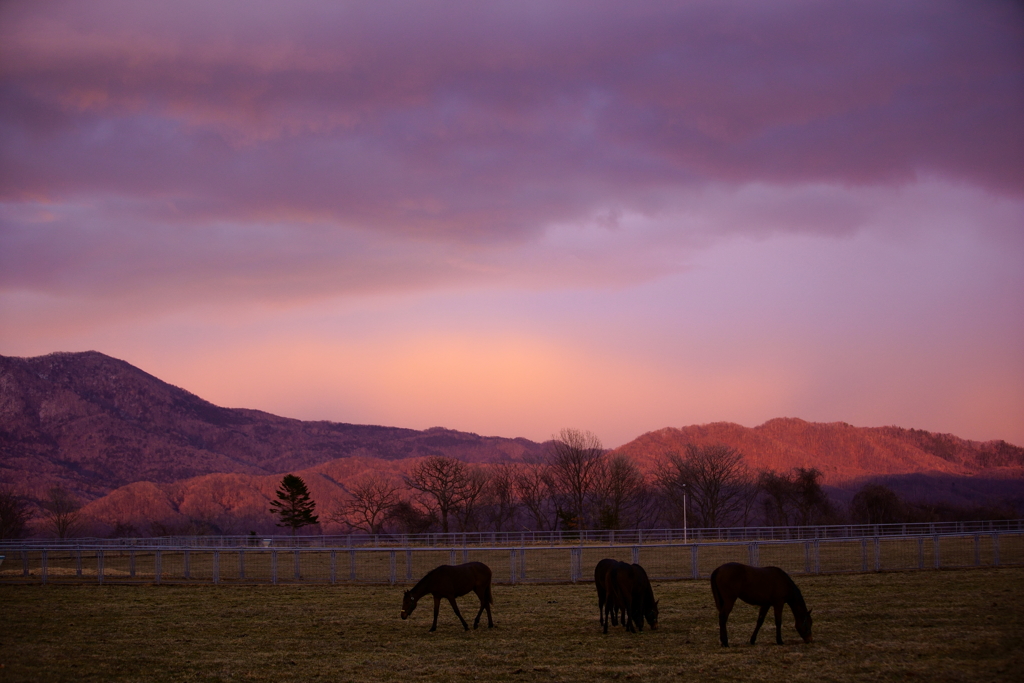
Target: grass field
[932,625]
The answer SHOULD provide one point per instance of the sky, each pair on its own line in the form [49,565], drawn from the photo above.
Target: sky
[510,218]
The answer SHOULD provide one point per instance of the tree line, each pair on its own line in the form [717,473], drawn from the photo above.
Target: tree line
[579,485]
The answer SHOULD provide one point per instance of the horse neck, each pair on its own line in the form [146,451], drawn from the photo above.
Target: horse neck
[421,588]
[795,600]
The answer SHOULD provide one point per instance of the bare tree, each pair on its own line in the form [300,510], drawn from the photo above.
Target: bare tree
[795,498]
[473,490]
[533,487]
[776,498]
[877,504]
[574,468]
[812,505]
[61,512]
[620,493]
[373,498]
[502,496]
[13,514]
[445,483]
[714,477]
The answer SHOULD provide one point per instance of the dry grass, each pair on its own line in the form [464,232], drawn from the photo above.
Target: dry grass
[939,626]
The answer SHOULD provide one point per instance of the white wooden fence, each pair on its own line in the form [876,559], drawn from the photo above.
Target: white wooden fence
[525,563]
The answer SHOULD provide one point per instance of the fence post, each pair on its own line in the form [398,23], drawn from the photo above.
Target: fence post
[522,564]
[352,564]
[273,567]
[878,554]
[131,563]
[42,561]
[920,552]
[408,564]
[24,563]
[817,556]
[863,554]
[935,547]
[693,561]
[977,550]
[334,567]
[753,554]
[188,567]
[995,549]
[241,563]
[298,573]
[99,566]
[216,566]
[392,576]
[512,559]
[157,565]
[78,563]
[636,554]
[451,556]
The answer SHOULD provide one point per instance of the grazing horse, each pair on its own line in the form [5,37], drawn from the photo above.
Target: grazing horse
[628,589]
[600,578]
[450,582]
[764,587]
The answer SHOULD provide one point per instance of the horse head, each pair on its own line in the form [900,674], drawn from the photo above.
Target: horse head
[408,604]
[652,616]
[803,627]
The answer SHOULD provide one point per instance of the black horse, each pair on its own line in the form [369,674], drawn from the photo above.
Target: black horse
[450,582]
[600,576]
[764,587]
[628,589]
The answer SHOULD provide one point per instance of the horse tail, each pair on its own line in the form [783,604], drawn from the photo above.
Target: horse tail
[715,591]
[488,600]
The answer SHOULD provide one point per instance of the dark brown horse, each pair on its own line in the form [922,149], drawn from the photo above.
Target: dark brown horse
[764,587]
[452,582]
[600,577]
[628,588]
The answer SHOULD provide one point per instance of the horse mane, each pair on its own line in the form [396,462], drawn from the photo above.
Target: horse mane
[794,598]
[421,583]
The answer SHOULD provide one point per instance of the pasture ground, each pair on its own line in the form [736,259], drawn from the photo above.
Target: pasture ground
[961,625]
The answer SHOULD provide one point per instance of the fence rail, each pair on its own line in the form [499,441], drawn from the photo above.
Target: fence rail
[493,539]
[517,564]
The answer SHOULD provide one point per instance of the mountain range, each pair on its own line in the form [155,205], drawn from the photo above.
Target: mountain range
[134,447]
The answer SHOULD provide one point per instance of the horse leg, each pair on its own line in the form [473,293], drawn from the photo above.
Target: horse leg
[437,608]
[760,620]
[778,623]
[723,618]
[484,604]
[458,613]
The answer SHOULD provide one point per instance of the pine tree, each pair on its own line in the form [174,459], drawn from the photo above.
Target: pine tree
[293,504]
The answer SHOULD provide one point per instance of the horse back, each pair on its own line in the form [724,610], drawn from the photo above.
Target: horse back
[753,585]
[453,581]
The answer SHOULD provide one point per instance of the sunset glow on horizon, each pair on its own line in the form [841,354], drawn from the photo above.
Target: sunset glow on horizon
[510,218]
